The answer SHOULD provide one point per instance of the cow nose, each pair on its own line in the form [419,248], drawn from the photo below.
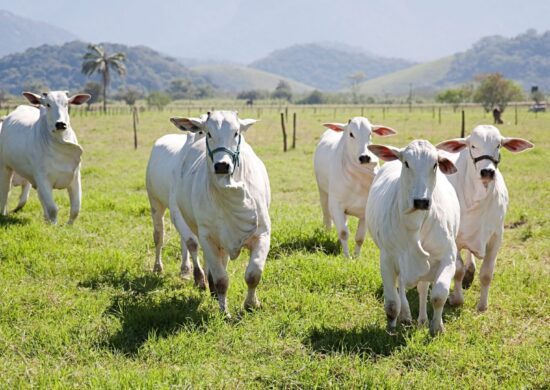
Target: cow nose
[364,159]
[221,167]
[421,204]
[60,126]
[487,174]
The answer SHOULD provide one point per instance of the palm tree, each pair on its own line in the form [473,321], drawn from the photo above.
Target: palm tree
[97,60]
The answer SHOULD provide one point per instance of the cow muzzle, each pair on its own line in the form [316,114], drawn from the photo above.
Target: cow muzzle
[221,168]
[421,204]
[364,159]
[60,126]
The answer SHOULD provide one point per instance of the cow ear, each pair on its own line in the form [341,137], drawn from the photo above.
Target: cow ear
[445,165]
[79,99]
[246,123]
[193,125]
[335,126]
[516,144]
[386,153]
[383,131]
[453,145]
[33,98]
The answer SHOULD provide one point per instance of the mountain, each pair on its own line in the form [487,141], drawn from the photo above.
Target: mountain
[58,67]
[524,59]
[236,78]
[327,67]
[20,33]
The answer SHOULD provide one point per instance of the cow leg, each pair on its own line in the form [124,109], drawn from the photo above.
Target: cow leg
[46,199]
[405,312]
[216,260]
[157,214]
[422,288]
[327,220]
[360,236]
[24,197]
[5,183]
[440,291]
[392,303]
[75,197]
[469,270]
[457,298]
[340,222]
[487,270]
[253,274]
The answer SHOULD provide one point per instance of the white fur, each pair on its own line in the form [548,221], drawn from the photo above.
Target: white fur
[165,161]
[226,211]
[417,247]
[483,203]
[343,181]
[46,157]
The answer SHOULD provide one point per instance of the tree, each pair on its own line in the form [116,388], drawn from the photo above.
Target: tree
[97,60]
[537,95]
[283,90]
[454,96]
[253,94]
[4,97]
[94,90]
[129,95]
[496,91]
[355,80]
[158,100]
[315,97]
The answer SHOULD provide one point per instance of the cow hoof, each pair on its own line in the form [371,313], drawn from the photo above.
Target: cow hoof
[456,301]
[198,275]
[422,322]
[481,308]
[253,305]
[406,321]
[185,273]
[468,276]
[436,329]
[158,268]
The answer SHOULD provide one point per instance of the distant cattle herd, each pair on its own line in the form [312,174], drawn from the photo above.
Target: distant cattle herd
[423,207]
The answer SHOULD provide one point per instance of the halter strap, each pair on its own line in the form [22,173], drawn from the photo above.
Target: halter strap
[495,161]
[233,153]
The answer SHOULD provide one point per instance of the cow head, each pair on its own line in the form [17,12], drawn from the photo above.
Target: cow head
[54,105]
[420,161]
[484,149]
[223,131]
[357,134]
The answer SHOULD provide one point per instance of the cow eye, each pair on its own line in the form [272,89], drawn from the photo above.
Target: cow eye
[48,105]
[473,147]
[209,135]
[498,147]
[236,134]
[406,164]
[435,166]
[351,135]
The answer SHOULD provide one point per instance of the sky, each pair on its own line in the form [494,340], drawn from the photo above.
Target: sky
[245,30]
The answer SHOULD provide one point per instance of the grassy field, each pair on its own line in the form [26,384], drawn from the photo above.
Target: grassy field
[81,308]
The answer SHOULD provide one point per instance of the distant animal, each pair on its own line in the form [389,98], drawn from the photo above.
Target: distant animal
[344,169]
[250,102]
[41,146]
[165,162]
[413,217]
[497,116]
[222,190]
[483,198]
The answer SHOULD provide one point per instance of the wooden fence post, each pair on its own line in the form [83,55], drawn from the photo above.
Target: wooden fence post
[136,121]
[516,114]
[284,130]
[294,131]
[463,128]
[439,115]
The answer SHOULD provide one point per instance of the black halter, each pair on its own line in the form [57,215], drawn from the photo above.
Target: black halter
[495,161]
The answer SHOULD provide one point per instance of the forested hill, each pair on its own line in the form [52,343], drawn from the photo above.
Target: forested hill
[58,68]
[327,67]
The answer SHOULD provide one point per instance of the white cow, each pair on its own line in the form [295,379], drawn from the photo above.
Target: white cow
[40,145]
[222,191]
[483,201]
[413,216]
[165,162]
[345,169]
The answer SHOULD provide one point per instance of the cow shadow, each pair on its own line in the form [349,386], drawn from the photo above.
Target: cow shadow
[142,318]
[11,220]
[318,241]
[370,341]
[137,285]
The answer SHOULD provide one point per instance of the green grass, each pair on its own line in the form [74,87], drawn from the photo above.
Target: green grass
[80,306]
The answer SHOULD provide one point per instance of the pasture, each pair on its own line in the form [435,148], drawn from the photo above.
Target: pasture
[81,308]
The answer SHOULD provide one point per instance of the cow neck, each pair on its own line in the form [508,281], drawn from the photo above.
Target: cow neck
[60,143]
[237,212]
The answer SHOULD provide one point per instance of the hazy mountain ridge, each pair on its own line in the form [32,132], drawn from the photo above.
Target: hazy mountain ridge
[58,67]
[325,66]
